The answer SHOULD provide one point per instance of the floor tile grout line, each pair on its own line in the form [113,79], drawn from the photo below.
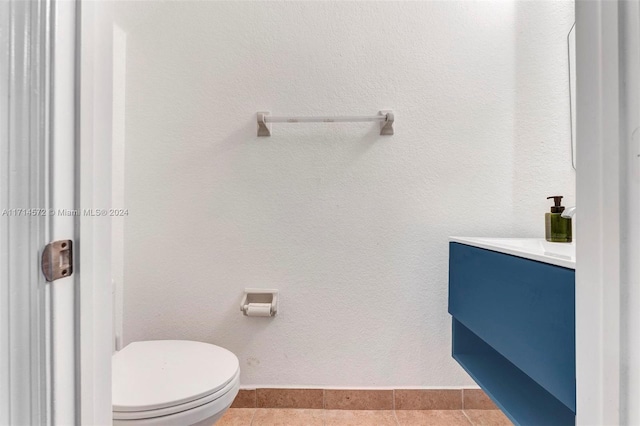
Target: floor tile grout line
[395,414]
[467,417]
[253,416]
[393,395]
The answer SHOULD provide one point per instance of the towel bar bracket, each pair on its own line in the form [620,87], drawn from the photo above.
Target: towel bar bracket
[264,128]
[386,126]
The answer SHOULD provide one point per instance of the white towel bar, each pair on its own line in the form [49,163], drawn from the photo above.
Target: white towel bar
[384,117]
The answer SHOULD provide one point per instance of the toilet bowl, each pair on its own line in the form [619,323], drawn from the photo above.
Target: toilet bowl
[173,382]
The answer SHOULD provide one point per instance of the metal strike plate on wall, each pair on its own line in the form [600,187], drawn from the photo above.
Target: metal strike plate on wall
[57,260]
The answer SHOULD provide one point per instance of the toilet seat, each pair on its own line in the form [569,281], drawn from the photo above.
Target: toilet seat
[137,415]
[164,377]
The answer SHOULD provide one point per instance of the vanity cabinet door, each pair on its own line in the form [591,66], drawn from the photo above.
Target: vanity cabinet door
[523,309]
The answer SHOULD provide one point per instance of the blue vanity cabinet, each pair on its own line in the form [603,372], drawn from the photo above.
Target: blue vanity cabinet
[514,332]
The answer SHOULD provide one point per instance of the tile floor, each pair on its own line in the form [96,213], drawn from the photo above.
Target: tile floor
[312,417]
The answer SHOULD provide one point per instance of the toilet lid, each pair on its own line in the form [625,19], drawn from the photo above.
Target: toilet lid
[165,373]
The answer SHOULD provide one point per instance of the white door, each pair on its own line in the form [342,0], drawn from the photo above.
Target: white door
[37,206]
[24,225]
[55,337]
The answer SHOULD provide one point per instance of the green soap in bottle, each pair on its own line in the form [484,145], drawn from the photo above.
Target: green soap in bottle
[557,228]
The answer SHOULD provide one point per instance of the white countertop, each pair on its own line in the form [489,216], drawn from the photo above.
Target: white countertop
[559,254]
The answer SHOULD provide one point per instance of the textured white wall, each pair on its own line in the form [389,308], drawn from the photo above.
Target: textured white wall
[350,226]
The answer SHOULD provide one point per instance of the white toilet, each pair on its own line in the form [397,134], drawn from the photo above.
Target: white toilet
[173,382]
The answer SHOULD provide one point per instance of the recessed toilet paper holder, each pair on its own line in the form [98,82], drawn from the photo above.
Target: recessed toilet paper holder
[254,302]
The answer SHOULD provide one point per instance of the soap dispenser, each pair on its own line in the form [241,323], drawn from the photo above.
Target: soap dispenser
[557,228]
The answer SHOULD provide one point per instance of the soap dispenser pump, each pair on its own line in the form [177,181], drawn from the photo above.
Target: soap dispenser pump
[557,228]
